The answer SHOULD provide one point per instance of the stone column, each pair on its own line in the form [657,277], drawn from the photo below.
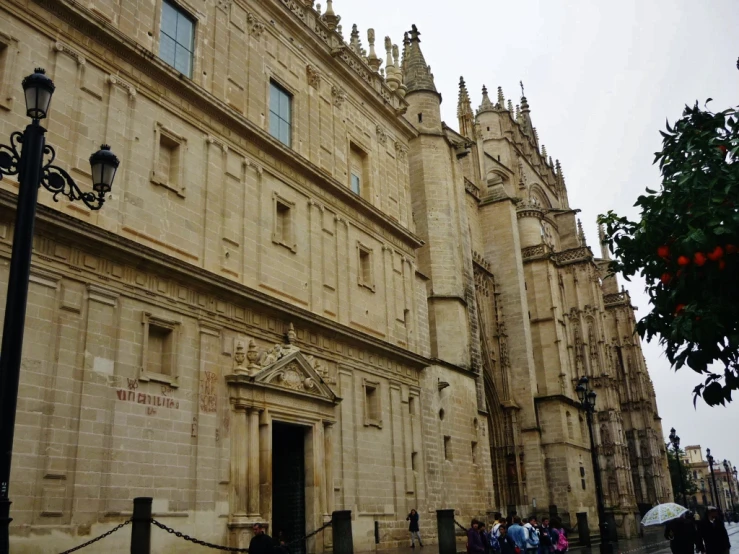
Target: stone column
[253,472]
[328,447]
[239,463]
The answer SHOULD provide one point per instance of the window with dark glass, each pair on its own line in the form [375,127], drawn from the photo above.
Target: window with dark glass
[177,38]
[280,113]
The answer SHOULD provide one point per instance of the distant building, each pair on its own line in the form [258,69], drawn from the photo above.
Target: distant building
[307,292]
[726,483]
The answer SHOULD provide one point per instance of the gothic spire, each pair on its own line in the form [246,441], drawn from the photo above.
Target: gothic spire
[417,73]
[581,234]
[486,105]
[528,128]
[501,100]
[464,110]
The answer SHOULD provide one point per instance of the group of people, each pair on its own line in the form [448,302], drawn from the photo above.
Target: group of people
[512,536]
[708,536]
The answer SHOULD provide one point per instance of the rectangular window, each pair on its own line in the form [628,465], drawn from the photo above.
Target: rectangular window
[177,38]
[372,404]
[358,170]
[474,453]
[356,184]
[159,356]
[411,405]
[448,448]
[414,461]
[365,273]
[283,231]
[280,113]
[168,170]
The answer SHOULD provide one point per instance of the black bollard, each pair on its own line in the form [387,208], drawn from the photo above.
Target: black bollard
[445,529]
[582,528]
[141,526]
[341,529]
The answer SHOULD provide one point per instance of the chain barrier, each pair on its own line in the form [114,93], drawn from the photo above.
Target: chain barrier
[462,527]
[180,535]
[96,539]
[309,535]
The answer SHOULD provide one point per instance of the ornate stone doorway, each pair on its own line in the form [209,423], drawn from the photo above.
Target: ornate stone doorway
[288,483]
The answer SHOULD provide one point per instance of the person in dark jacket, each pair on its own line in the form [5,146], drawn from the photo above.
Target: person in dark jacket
[682,534]
[507,546]
[712,534]
[414,529]
[261,542]
[474,539]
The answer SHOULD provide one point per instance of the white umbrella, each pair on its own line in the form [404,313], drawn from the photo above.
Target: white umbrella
[663,513]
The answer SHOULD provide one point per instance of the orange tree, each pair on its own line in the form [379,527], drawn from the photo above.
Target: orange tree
[685,248]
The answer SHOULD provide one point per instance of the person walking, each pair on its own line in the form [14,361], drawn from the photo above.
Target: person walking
[712,535]
[474,539]
[518,534]
[261,542]
[682,534]
[414,529]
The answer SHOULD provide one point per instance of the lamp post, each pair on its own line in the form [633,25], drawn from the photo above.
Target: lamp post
[727,471]
[675,441]
[587,401]
[24,156]
[713,480]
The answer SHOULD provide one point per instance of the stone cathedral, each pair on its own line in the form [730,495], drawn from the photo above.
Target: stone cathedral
[307,292]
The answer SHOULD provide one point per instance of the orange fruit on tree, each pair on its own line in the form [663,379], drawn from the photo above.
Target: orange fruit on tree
[663,251]
[683,261]
[699,258]
[716,254]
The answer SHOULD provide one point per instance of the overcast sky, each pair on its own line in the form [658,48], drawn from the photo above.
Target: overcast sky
[601,78]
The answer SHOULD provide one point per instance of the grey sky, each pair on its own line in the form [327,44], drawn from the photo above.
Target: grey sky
[601,78]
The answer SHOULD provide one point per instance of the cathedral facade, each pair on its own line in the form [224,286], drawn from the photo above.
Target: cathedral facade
[306,293]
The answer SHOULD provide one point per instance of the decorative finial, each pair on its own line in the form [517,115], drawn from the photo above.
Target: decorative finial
[510,106]
[415,34]
[486,105]
[290,335]
[373,61]
[544,153]
[581,233]
[522,93]
[330,18]
[501,99]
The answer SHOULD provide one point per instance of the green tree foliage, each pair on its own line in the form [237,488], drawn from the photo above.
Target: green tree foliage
[685,247]
[689,484]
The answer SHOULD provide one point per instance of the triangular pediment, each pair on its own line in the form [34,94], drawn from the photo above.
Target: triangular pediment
[294,371]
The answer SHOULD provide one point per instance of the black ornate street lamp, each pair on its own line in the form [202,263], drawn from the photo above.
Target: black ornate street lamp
[25,157]
[713,480]
[675,441]
[587,401]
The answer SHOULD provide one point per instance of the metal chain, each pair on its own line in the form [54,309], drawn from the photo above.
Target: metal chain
[229,548]
[197,541]
[309,535]
[96,539]
[462,527]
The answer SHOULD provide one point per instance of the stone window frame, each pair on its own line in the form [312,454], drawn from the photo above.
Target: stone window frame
[277,201]
[447,446]
[161,130]
[475,453]
[296,106]
[369,252]
[8,50]
[365,178]
[370,387]
[197,18]
[147,320]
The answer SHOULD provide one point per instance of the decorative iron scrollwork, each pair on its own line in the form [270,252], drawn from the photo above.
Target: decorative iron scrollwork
[9,156]
[57,181]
